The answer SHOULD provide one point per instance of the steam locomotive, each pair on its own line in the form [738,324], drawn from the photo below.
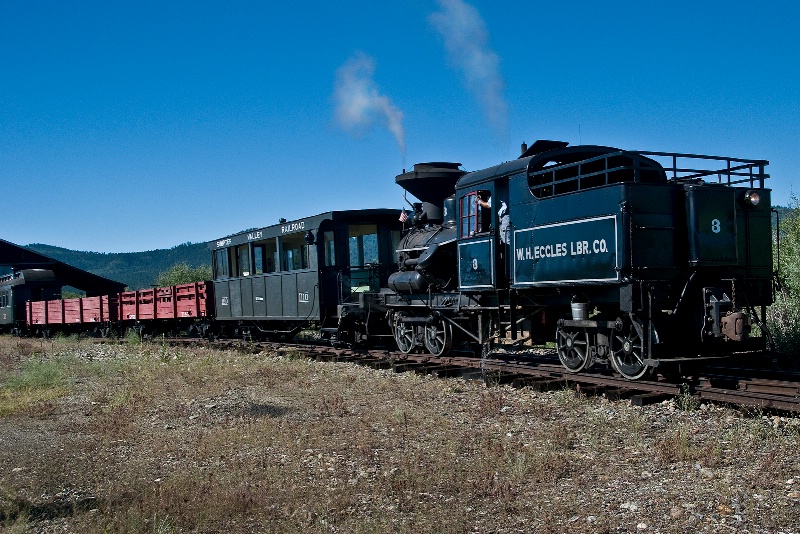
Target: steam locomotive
[630,259]
[616,257]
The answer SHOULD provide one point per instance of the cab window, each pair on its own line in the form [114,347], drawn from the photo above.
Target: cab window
[475,213]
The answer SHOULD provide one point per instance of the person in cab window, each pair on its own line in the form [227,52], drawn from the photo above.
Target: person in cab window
[502,214]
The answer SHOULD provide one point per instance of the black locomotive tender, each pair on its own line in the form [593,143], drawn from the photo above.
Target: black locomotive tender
[627,258]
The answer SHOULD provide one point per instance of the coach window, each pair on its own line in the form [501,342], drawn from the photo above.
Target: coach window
[330,249]
[265,254]
[221,264]
[258,259]
[363,244]
[243,260]
[295,254]
[363,254]
[264,257]
[397,235]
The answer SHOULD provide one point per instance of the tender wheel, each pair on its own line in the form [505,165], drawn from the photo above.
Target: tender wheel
[438,336]
[572,345]
[403,335]
[627,350]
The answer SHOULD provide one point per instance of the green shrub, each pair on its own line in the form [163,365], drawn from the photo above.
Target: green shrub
[183,273]
[783,317]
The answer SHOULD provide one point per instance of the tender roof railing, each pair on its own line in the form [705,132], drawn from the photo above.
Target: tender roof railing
[675,167]
[736,170]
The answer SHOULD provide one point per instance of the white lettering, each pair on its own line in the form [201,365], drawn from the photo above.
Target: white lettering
[223,242]
[255,235]
[558,250]
[293,227]
[577,247]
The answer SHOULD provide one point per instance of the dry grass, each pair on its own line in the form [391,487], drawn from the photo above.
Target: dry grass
[150,438]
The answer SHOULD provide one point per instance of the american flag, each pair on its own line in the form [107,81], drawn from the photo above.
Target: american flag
[403,216]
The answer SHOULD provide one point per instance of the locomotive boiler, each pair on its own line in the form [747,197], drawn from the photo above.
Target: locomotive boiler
[426,254]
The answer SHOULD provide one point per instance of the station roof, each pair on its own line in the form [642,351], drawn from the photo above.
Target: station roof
[19,258]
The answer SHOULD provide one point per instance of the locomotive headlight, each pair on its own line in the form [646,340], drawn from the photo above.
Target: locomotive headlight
[752,198]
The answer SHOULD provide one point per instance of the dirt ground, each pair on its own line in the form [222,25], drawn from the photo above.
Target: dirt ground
[153,438]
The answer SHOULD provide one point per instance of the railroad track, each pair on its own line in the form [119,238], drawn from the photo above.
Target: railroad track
[755,387]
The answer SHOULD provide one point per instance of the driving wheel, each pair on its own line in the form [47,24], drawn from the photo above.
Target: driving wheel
[572,345]
[627,349]
[438,336]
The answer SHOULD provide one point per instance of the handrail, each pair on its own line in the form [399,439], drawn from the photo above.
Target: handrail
[735,171]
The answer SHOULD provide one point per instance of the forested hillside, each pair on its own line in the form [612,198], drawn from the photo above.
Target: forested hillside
[136,269]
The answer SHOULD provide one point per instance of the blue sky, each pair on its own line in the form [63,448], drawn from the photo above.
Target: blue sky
[128,126]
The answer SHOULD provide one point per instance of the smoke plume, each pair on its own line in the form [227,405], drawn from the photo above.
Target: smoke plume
[359,103]
[466,40]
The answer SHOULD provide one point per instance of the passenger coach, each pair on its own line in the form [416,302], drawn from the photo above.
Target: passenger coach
[275,281]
